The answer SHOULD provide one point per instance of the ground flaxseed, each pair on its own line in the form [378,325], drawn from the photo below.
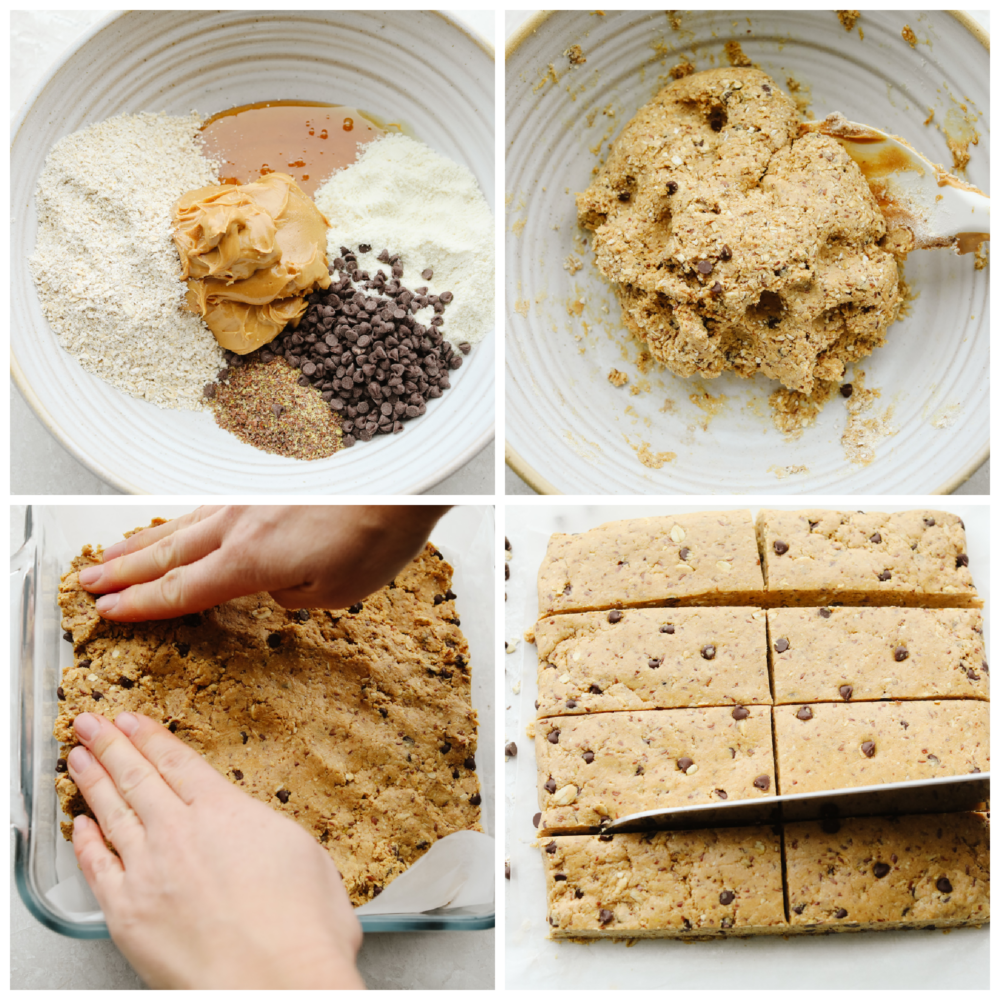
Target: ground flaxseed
[264,405]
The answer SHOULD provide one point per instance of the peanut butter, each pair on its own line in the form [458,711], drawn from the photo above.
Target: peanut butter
[250,253]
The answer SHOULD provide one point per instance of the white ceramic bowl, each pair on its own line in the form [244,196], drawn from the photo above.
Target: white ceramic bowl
[568,429]
[417,67]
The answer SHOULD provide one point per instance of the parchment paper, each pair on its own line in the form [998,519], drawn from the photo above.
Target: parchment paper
[958,959]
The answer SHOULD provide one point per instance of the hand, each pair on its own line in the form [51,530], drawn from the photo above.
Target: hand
[305,556]
[210,889]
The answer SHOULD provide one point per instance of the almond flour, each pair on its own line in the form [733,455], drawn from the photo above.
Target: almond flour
[107,273]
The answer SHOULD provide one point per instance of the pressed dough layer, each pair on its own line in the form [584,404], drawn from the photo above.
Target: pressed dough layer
[362,721]
[733,244]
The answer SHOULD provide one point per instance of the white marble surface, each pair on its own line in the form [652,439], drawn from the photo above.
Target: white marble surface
[38,462]
[977,485]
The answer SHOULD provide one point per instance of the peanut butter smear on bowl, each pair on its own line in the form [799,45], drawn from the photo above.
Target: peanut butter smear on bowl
[250,254]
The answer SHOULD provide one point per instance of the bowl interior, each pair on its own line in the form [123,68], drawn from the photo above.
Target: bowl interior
[568,429]
[416,67]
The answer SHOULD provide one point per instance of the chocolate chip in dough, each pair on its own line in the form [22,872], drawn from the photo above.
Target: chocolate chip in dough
[846,390]
[588,756]
[237,774]
[554,736]
[781,645]
[274,640]
[740,712]
[704,266]
[726,253]
[880,869]
[302,615]
[780,548]
[798,909]
[126,682]
[900,653]
[475,799]
[60,694]
[667,629]
[683,763]
[825,612]
[559,877]
[708,652]
[550,847]
[605,917]
[654,663]
[805,713]
[61,766]
[961,560]
[470,763]
[535,819]
[606,837]
[550,786]
[868,748]
[763,782]
[614,616]
[283,794]
[721,792]
[355,609]
[846,691]
[506,870]
[68,636]
[578,894]
[885,575]
[445,748]
[929,521]
[726,897]
[876,539]
[570,703]
[684,553]
[943,885]
[841,913]
[594,689]
[96,695]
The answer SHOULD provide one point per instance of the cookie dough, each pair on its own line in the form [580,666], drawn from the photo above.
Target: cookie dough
[841,745]
[651,658]
[914,557]
[704,558]
[689,884]
[884,873]
[866,654]
[735,245]
[595,769]
[356,724]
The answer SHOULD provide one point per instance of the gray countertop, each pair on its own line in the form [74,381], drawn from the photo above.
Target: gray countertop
[38,462]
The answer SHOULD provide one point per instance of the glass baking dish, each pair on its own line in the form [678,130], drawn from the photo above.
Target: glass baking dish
[45,870]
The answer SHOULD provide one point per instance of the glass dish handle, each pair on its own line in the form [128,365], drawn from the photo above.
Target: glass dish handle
[23,567]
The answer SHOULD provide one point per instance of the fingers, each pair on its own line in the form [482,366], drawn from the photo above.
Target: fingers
[183,770]
[103,871]
[216,577]
[179,546]
[150,535]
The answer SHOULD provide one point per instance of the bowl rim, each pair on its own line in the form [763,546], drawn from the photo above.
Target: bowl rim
[526,472]
[32,399]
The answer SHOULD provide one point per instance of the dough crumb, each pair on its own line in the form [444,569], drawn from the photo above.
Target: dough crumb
[784,471]
[617,378]
[792,412]
[982,255]
[529,634]
[960,151]
[736,55]
[510,645]
[945,416]
[864,431]
[649,458]
[681,69]
[909,36]
[848,18]
[521,306]
[572,264]
[929,118]
[575,55]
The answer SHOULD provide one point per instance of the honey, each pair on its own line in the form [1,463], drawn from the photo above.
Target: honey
[307,140]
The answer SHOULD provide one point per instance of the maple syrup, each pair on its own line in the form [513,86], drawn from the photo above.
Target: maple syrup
[308,140]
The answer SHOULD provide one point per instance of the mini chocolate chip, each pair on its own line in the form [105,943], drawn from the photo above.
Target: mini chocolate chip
[876,538]
[846,390]
[684,553]
[68,636]
[901,653]
[438,599]
[763,782]
[929,521]
[61,766]
[683,763]
[96,695]
[469,763]
[60,694]
[671,187]
[283,794]
[614,616]
[126,682]
[506,870]
[961,560]
[594,689]
[560,877]
[943,885]
[605,837]
[245,738]
[355,609]
[798,909]
[780,548]
[475,799]
[588,756]
[535,819]
[726,253]
[624,196]
[668,629]
[846,691]
[550,847]
[654,663]
[84,664]
[868,748]
[721,792]
[840,914]
[805,713]
[708,652]
[740,712]
[506,571]
[880,869]
[578,893]
[183,649]
[885,575]
[237,774]
[570,703]
[726,897]
[274,640]
[825,612]
[640,770]
[781,645]
[554,736]
[550,786]
[704,266]
[303,615]
[605,917]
